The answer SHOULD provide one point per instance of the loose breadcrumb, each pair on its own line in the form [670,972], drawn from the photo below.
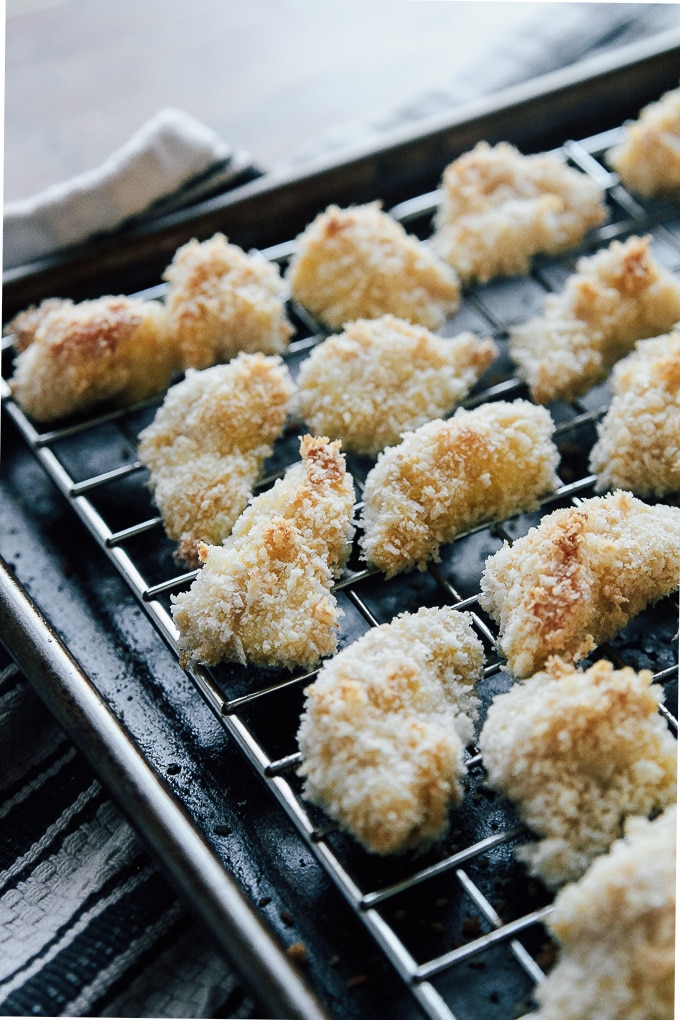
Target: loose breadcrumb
[384,727]
[638,445]
[207,443]
[381,377]
[500,208]
[617,296]
[578,578]
[616,932]
[221,301]
[265,596]
[579,752]
[647,160]
[449,476]
[359,263]
[76,356]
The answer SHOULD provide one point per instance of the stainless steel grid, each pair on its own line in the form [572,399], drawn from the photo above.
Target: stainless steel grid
[492,309]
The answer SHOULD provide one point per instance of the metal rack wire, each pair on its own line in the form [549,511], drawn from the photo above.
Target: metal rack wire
[237,696]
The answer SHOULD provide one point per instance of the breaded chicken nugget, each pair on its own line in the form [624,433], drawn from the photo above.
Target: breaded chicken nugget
[578,753]
[449,476]
[206,446]
[24,326]
[616,932]
[380,377]
[499,208]
[638,446]
[384,728]
[617,296]
[265,596]
[76,356]
[647,159]
[578,578]
[221,301]
[359,263]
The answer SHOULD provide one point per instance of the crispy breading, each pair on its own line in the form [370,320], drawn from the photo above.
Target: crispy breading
[647,159]
[381,377]
[500,208]
[384,727]
[579,752]
[23,326]
[638,445]
[76,356]
[359,263]
[207,443]
[265,596]
[616,297]
[221,301]
[449,476]
[616,932]
[578,578]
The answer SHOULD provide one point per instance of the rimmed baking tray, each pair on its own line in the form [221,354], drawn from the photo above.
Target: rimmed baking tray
[204,762]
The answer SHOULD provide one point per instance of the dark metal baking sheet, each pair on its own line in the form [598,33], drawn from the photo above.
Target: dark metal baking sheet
[177,741]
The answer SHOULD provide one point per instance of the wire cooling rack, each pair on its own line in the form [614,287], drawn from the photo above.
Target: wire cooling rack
[461,924]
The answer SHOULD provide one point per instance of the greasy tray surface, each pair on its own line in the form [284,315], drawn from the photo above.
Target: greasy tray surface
[461,924]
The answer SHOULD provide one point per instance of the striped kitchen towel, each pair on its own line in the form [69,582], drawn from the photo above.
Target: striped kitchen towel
[88,925]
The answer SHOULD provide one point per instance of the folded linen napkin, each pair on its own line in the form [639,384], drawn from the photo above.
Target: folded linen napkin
[172,161]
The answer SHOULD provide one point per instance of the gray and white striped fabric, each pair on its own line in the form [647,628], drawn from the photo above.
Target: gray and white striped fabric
[88,925]
[541,38]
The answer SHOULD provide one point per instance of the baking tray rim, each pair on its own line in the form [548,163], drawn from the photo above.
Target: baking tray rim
[144,249]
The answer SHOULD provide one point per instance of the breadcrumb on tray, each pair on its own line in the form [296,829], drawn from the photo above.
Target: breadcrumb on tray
[381,377]
[616,932]
[265,596]
[76,356]
[638,445]
[448,476]
[359,263]
[500,208]
[578,753]
[384,728]
[577,578]
[221,301]
[616,297]
[647,159]
[207,444]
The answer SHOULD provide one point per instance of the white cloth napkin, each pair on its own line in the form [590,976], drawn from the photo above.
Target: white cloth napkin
[171,160]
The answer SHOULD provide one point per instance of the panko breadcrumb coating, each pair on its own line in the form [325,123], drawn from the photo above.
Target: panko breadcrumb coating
[449,476]
[381,377]
[616,932]
[265,596]
[359,263]
[579,577]
[499,208]
[384,727]
[76,356]
[206,446]
[617,296]
[578,753]
[221,301]
[638,445]
[647,159]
